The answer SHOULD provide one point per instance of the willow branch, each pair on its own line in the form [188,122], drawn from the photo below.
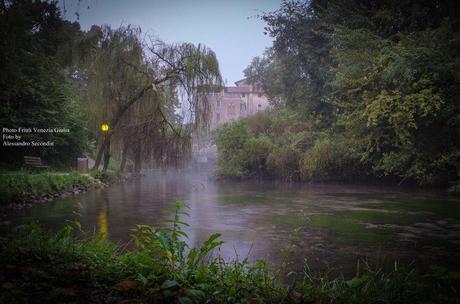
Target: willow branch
[167,121]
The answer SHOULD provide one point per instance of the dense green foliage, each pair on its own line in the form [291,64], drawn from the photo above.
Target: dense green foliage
[280,144]
[19,187]
[380,78]
[35,52]
[70,267]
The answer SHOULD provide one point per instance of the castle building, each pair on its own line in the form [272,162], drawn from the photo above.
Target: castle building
[236,102]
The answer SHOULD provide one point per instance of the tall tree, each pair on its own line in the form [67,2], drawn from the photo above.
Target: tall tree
[34,92]
[125,72]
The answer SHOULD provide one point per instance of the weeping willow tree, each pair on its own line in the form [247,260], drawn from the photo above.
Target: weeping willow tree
[151,132]
[137,86]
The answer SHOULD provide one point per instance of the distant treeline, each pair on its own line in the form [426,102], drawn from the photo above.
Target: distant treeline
[368,88]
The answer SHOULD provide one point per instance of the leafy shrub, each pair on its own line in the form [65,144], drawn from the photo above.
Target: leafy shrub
[283,162]
[259,124]
[253,156]
[230,140]
[330,158]
[267,144]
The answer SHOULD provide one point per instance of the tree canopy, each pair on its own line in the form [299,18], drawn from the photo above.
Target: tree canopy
[382,75]
[34,91]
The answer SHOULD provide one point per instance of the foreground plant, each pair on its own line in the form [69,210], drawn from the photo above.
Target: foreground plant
[71,267]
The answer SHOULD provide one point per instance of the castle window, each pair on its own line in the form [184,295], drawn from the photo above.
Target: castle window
[259,95]
[243,95]
[231,109]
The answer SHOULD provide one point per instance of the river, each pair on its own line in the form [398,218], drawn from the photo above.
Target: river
[287,224]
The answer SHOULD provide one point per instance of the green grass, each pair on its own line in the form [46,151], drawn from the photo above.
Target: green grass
[106,177]
[17,187]
[159,267]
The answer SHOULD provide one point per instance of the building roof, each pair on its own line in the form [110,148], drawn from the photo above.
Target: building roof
[253,88]
[241,82]
[241,89]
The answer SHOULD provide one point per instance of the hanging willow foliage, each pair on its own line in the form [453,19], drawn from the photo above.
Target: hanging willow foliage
[138,87]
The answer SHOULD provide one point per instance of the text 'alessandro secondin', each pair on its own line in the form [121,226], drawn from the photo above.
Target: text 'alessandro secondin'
[29,137]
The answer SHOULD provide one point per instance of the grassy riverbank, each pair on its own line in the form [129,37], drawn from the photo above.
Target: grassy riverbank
[69,267]
[19,187]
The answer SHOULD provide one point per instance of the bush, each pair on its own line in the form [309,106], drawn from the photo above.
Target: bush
[253,156]
[259,124]
[268,144]
[278,144]
[230,140]
[331,158]
[283,162]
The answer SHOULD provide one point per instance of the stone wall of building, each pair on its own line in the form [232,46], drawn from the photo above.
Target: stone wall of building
[236,102]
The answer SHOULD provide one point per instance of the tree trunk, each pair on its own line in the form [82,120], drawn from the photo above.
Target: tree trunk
[102,150]
[137,158]
[123,157]
[98,160]
[107,153]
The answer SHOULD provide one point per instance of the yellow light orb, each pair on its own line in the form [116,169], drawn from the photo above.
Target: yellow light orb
[105,127]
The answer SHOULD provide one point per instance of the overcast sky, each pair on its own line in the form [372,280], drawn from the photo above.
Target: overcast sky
[230,28]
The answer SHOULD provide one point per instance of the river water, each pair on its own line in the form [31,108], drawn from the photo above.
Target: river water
[288,224]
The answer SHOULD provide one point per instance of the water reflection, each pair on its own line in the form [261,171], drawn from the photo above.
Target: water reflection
[103,222]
